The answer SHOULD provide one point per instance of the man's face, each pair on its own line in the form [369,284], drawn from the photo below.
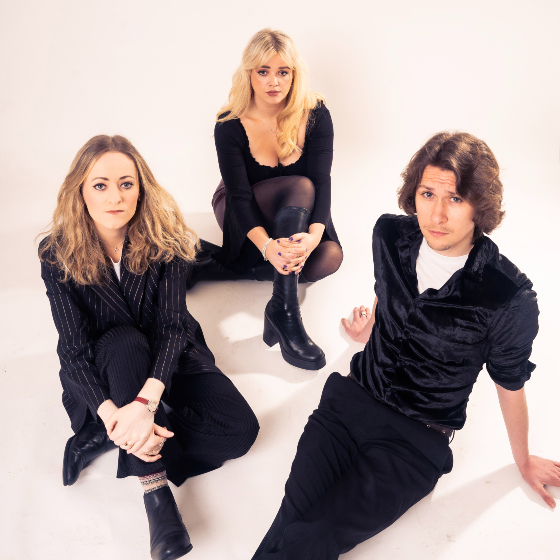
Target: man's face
[446,219]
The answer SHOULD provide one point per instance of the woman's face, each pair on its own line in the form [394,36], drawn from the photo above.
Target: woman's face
[111,192]
[272,81]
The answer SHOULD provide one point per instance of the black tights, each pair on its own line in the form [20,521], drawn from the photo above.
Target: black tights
[278,192]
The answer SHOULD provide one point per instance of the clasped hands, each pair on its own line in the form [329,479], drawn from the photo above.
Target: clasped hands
[288,254]
[132,428]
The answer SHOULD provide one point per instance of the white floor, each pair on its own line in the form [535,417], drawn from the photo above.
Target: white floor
[393,75]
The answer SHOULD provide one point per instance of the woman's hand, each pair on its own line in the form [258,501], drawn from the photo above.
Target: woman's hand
[130,427]
[151,450]
[281,259]
[296,249]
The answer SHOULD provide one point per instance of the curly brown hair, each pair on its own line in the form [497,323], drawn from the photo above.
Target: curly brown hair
[476,170]
[156,232]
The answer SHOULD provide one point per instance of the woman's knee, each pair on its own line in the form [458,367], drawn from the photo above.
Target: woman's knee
[301,192]
[324,261]
[122,351]
[243,433]
[118,338]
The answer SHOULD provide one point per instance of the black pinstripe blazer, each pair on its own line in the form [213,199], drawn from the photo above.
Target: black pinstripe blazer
[153,302]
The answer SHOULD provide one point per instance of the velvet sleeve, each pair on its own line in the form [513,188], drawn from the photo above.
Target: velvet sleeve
[319,162]
[511,340]
[239,196]
[75,343]
[169,333]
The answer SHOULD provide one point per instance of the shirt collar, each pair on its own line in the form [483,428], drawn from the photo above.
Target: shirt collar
[483,251]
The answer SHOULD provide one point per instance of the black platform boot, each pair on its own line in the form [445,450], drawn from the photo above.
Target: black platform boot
[82,448]
[168,536]
[282,317]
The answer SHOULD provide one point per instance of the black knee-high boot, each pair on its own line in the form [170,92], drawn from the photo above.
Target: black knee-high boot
[282,317]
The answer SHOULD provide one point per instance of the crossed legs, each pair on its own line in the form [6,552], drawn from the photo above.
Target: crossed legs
[279,192]
[212,422]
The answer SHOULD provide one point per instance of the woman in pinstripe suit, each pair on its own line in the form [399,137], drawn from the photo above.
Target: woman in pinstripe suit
[115,264]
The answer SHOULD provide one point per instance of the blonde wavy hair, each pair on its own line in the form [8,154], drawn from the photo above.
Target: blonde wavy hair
[265,44]
[156,232]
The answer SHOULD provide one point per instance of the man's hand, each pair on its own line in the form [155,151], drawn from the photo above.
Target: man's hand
[362,323]
[537,472]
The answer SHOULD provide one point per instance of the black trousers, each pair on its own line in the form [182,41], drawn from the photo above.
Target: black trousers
[211,421]
[359,466]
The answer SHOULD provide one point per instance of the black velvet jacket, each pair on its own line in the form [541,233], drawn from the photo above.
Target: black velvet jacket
[426,350]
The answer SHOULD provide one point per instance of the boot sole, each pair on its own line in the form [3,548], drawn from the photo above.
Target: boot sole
[271,337]
[179,553]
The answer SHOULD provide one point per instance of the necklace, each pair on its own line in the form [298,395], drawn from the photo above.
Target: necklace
[273,130]
[117,247]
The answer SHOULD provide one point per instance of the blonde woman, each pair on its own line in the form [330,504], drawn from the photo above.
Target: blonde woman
[115,267]
[274,140]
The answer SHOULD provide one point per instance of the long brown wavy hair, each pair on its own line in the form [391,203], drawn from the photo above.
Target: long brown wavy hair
[265,44]
[156,232]
[477,176]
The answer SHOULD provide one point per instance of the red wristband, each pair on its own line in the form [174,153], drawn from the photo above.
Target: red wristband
[149,404]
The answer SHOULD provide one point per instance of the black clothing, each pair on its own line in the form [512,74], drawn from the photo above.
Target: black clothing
[211,421]
[426,350]
[282,316]
[359,466]
[271,196]
[115,336]
[169,539]
[153,302]
[82,448]
[240,171]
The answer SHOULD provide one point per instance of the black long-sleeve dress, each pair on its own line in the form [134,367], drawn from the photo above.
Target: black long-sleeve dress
[240,171]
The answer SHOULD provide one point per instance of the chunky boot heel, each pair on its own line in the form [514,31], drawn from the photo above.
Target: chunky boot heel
[269,334]
[282,315]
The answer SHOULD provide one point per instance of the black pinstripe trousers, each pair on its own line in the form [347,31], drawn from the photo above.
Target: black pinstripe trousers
[359,466]
[211,421]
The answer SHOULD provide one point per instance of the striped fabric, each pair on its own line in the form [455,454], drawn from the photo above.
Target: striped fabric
[154,303]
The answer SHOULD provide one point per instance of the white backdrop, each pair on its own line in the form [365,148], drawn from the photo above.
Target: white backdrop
[157,72]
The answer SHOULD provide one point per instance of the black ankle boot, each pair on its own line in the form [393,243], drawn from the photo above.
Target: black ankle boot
[168,536]
[82,448]
[282,317]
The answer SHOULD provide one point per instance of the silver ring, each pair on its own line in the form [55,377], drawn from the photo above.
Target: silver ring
[364,314]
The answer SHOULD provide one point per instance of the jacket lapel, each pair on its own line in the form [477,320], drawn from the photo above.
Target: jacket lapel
[132,287]
[114,298]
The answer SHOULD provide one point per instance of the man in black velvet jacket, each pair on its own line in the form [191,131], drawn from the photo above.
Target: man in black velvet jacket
[446,304]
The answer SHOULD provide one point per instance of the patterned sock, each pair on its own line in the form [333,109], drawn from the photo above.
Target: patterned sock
[153,481]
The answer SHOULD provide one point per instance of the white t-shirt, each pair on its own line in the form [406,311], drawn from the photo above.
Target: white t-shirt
[433,269]
[117,266]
